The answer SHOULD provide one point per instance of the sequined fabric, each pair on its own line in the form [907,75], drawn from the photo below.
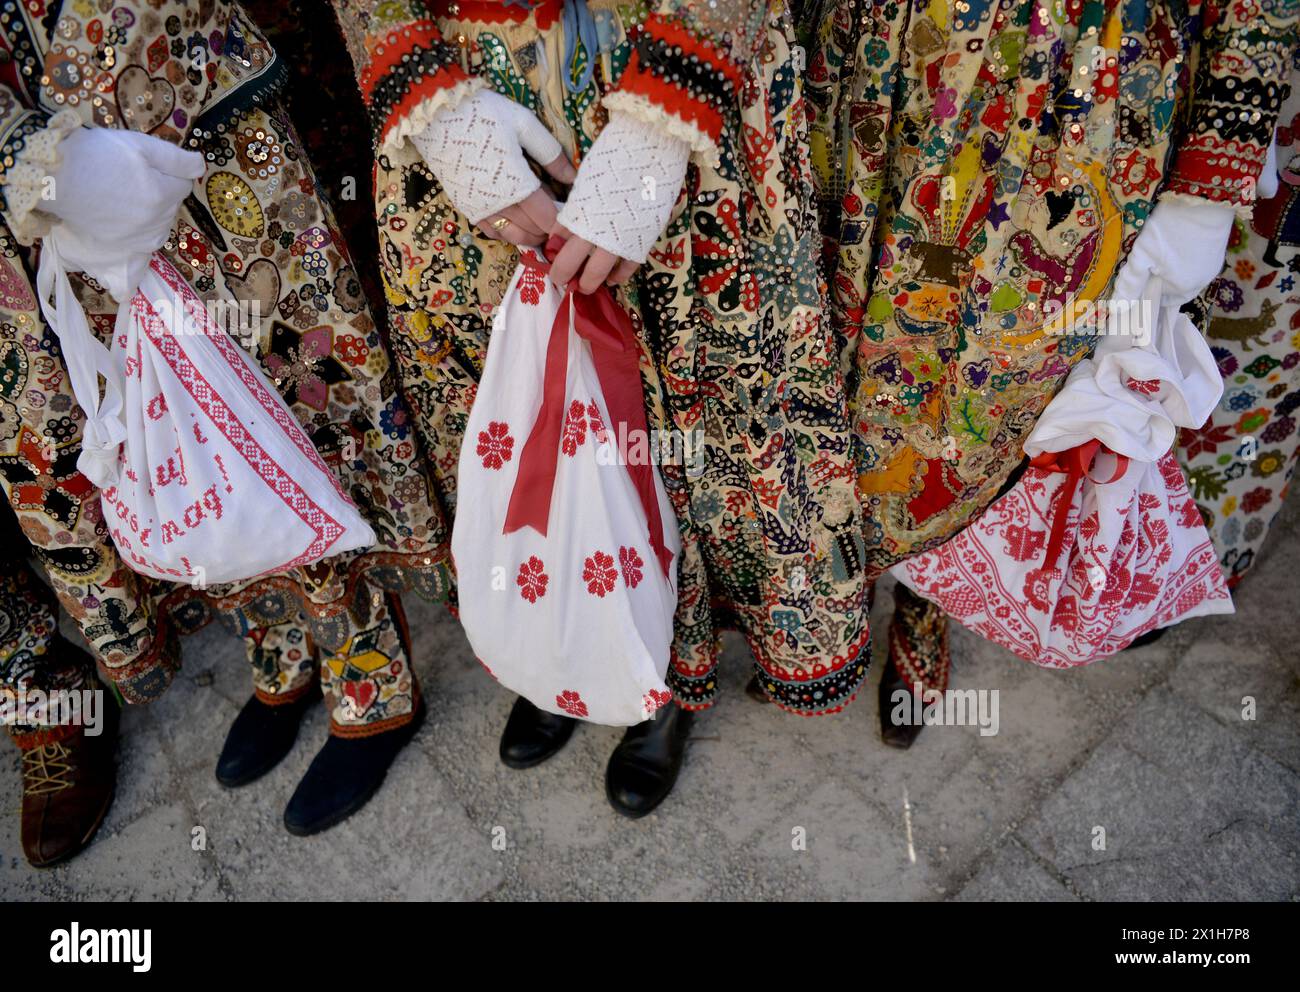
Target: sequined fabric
[737,364]
[254,231]
[983,168]
[1240,463]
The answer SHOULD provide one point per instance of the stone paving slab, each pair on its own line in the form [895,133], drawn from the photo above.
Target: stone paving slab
[1196,802]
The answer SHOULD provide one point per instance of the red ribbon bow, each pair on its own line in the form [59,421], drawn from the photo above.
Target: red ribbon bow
[1075,463]
[607,328]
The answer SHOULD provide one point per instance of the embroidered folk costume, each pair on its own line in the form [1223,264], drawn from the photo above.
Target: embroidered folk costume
[736,357]
[255,231]
[983,169]
[1239,464]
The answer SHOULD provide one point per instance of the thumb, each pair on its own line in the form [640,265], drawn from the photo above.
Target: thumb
[534,139]
[172,160]
[561,169]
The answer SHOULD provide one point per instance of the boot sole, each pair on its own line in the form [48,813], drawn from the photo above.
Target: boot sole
[84,842]
[534,762]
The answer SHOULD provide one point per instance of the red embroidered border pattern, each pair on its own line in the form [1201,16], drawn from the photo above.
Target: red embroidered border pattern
[239,363]
[666,36]
[425,59]
[544,13]
[1214,169]
[327,530]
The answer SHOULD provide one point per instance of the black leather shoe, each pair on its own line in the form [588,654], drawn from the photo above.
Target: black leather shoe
[1150,637]
[260,738]
[644,766]
[754,690]
[895,735]
[343,777]
[532,735]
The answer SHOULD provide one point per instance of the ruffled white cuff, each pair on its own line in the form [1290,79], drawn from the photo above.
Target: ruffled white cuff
[419,117]
[645,109]
[24,181]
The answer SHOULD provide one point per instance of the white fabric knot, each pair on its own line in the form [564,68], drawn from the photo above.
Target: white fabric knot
[101,439]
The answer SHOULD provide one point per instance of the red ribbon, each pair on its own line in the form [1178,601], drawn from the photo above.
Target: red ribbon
[1075,463]
[607,328]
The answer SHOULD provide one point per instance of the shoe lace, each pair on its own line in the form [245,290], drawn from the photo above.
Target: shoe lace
[47,770]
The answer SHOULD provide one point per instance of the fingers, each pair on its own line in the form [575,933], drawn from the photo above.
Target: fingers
[509,231]
[599,265]
[533,137]
[520,219]
[562,169]
[625,270]
[539,208]
[570,260]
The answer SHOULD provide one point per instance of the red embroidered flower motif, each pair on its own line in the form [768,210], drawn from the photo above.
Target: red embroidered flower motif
[571,703]
[575,428]
[631,564]
[654,699]
[1189,515]
[1147,387]
[532,580]
[352,348]
[1202,440]
[1135,173]
[531,285]
[598,572]
[495,445]
[595,423]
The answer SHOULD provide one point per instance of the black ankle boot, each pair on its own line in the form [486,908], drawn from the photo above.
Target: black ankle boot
[645,764]
[260,737]
[754,690]
[895,735]
[343,777]
[532,735]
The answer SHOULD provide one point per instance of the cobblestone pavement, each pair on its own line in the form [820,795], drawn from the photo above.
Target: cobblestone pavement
[1151,747]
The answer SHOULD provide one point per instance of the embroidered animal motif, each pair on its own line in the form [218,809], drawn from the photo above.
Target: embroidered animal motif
[1244,329]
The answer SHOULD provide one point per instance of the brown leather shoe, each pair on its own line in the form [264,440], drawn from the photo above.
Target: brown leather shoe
[68,783]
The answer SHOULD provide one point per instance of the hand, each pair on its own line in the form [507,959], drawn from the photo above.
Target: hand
[620,203]
[476,150]
[592,266]
[121,188]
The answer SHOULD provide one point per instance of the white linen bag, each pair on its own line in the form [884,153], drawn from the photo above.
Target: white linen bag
[205,474]
[1067,568]
[572,606]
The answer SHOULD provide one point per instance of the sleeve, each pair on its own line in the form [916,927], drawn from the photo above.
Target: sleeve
[406,71]
[686,65]
[57,508]
[1244,58]
[30,140]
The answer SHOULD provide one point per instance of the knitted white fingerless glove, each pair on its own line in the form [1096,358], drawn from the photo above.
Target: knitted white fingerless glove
[476,150]
[626,187]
